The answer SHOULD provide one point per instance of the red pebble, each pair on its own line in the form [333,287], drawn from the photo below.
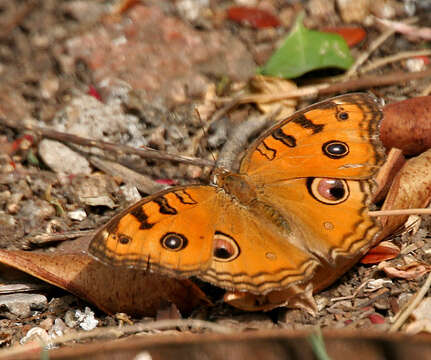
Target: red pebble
[376,318]
[252,16]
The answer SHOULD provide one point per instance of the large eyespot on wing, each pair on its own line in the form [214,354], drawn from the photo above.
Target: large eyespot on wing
[249,254]
[333,214]
[337,138]
[333,217]
[170,232]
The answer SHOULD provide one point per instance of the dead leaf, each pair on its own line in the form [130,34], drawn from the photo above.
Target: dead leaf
[112,290]
[410,189]
[353,35]
[384,178]
[274,85]
[407,125]
[384,251]
[422,318]
[409,272]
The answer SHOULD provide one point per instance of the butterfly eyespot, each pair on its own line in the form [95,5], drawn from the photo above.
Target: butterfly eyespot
[328,191]
[335,149]
[225,248]
[124,239]
[343,116]
[173,241]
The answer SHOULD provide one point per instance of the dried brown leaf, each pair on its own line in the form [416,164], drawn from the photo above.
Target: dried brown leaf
[112,290]
[274,85]
[409,272]
[392,165]
[410,189]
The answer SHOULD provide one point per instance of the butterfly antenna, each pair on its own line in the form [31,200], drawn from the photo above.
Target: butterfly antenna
[204,131]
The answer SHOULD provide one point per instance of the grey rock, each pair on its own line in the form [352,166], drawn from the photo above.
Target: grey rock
[22,304]
[62,159]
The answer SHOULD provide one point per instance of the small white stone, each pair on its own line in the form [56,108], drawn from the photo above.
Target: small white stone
[78,214]
[131,193]
[86,319]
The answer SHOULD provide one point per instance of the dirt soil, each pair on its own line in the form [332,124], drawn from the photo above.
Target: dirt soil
[136,77]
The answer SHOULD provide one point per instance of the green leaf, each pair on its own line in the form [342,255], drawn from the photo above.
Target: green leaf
[305,50]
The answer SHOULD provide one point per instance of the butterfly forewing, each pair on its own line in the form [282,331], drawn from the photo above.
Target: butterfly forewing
[335,138]
[170,231]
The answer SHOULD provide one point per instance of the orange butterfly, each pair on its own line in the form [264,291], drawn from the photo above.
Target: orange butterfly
[295,213]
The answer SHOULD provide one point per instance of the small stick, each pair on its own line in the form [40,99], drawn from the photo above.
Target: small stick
[396,212]
[403,315]
[355,293]
[47,238]
[142,182]
[393,58]
[144,152]
[373,46]
[365,82]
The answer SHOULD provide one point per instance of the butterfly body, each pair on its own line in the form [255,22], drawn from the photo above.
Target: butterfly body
[294,214]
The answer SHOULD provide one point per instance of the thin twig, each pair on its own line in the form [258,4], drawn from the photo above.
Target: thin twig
[144,152]
[142,182]
[195,141]
[350,297]
[396,212]
[47,238]
[415,32]
[403,315]
[393,58]
[373,46]
[364,82]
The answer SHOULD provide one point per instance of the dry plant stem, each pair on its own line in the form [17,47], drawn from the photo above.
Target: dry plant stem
[143,183]
[47,238]
[115,332]
[373,46]
[396,212]
[22,288]
[214,118]
[355,293]
[393,58]
[349,85]
[403,315]
[144,152]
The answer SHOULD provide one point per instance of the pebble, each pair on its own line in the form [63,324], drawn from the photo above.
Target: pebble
[36,334]
[58,329]
[78,214]
[61,159]
[85,320]
[353,10]
[22,304]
